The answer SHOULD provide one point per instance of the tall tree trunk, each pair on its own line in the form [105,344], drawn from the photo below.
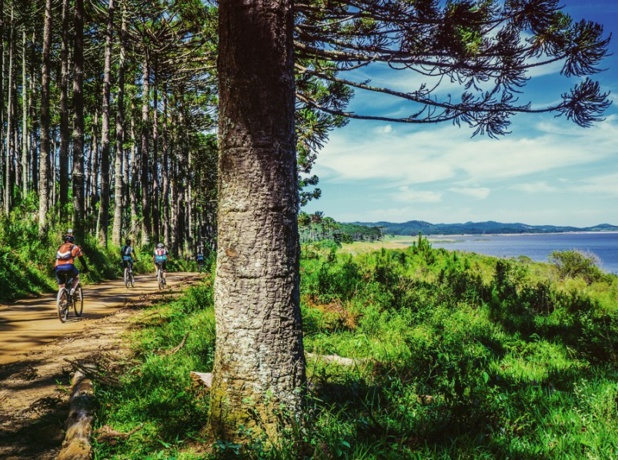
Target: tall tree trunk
[78,123]
[64,113]
[34,139]
[105,149]
[133,189]
[1,94]
[166,171]
[92,171]
[259,350]
[8,185]
[25,132]
[145,133]
[45,155]
[155,161]
[119,178]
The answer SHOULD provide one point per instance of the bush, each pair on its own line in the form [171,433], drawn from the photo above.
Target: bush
[576,263]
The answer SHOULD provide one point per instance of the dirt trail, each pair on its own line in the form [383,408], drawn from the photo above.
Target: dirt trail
[35,347]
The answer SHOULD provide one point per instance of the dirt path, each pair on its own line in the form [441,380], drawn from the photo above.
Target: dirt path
[34,347]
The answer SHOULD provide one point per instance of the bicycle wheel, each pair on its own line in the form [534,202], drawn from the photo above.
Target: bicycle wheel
[161,279]
[63,305]
[126,277]
[78,301]
[132,278]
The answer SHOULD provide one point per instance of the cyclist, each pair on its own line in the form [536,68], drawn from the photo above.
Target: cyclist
[127,252]
[199,258]
[160,256]
[64,266]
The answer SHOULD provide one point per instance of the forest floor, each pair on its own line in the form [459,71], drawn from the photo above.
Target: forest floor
[38,352]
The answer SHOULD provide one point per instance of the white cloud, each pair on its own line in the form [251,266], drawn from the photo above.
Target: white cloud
[534,187]
[444,153]
[386,129]
[607,185]
[475,192]
[407,195]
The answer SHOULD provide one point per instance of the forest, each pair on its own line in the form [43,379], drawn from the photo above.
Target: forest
[107,118]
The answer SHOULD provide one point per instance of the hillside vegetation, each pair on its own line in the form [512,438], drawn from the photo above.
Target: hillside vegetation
[448,355]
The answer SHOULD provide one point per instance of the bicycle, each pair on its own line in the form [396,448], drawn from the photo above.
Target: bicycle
[160,277]
[129,279]
[65,300]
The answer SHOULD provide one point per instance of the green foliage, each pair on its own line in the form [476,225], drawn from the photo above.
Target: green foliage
[156,397]
[455,356]
[575,263]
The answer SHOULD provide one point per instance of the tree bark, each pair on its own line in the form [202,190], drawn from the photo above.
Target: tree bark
[133,189]
[78,123]
[259,360]
[8,152]
[105,144]
[145,147]
[166,172]
[25,132]
[34,159]
[119,200]
[155,192]
[64,112]
[44,158]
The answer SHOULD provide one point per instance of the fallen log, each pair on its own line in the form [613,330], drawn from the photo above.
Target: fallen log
[76,444]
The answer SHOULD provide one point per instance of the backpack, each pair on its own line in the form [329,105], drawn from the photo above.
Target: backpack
[65,251]
[160,252]
[126,250]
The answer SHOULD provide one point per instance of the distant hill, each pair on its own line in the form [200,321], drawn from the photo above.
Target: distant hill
[413,227]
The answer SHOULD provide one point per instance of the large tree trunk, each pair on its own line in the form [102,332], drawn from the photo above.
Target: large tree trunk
[259,361]
[25,132]
[166,172]
[44,158]
[1,92]
[34,138]
[78,123]
[105,149]
[133,162]
[64,112]
[155,202]
[145,147]
[8,186]
[119,200]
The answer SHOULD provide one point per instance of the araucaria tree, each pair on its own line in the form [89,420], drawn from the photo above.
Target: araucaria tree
[485,49]
[259,362]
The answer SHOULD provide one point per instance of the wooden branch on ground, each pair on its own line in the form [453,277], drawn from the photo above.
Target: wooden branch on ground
[179,346]
[108,435]
[93,372]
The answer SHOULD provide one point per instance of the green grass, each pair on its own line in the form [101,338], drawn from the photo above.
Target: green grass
[458,356]
[156,396]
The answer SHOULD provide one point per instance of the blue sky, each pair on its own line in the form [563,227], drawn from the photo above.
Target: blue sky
[547,171]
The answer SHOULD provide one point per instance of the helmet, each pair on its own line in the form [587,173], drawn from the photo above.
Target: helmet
[160,245]
[69,238]
[128,242]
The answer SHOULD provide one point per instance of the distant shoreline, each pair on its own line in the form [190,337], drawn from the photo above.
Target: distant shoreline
[579,232]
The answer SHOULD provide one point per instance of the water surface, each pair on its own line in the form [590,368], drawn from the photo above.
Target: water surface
[536,246]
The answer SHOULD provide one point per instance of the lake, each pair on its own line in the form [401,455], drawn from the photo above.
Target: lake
[536,246]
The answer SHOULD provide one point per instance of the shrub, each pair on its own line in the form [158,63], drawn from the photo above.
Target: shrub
[576,263]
